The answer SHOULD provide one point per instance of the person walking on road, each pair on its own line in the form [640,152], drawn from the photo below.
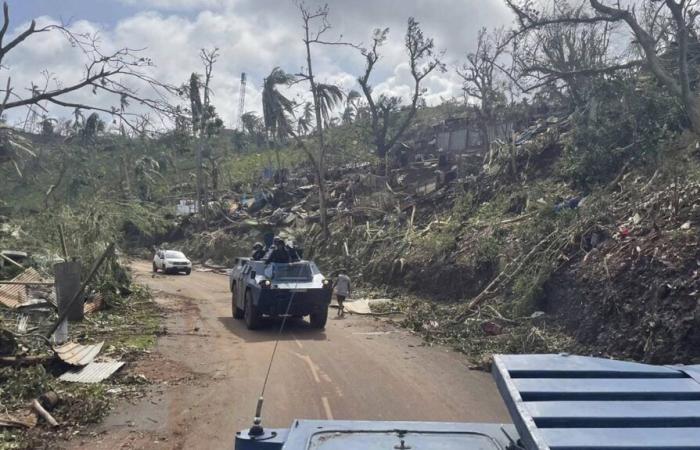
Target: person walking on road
[342,291]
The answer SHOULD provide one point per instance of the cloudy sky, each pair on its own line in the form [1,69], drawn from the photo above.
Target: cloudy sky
[253,37]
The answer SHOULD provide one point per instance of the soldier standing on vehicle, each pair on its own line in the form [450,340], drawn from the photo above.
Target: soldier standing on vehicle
[342,291]
[258,252]
[278,252]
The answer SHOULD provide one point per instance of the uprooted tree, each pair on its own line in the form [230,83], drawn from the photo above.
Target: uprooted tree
[664,33]
[387,120]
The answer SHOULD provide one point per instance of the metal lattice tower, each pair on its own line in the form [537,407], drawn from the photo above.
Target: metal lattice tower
[241,101]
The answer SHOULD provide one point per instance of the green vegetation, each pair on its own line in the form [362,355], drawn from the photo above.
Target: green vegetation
[575,203]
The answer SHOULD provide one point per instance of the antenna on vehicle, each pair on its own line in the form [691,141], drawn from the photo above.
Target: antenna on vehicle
[257,430]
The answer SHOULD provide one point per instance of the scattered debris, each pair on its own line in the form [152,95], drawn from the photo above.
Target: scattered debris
[29,360]
[21,419]
[44,413]
[13,293]
[13,257]
[77,354]
[22,322]
[93,372]
[94,304]
[364,306]
[8,342]
[78,294]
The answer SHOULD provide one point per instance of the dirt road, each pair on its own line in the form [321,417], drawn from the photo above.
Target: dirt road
[208,370]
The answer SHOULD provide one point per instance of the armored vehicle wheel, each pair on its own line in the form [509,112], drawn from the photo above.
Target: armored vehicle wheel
[251,314]
[235,310]
[188,271]
[318,319]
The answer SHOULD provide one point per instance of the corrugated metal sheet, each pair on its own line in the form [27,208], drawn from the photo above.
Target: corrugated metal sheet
[77,354]
[93,372]
[14,295]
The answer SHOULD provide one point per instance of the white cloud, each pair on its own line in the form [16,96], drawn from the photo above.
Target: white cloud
[256,35]
[179,5]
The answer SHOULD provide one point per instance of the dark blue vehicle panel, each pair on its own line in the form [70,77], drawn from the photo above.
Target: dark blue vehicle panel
[276,301]
[579,403]
[364,435]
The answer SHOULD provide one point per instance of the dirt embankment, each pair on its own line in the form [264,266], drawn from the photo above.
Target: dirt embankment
[642,306]
[637,295]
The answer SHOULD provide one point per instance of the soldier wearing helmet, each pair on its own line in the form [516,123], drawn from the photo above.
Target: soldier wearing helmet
[258,252]
[278,252]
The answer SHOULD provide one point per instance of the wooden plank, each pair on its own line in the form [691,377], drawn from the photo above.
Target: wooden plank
[532,389]
[11,261]
[572,366]
[614,414]
[622,438]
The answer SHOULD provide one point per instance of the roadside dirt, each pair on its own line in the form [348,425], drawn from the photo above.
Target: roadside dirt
[207,371]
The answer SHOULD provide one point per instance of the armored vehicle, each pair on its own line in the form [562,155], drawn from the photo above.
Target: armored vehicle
[273,289]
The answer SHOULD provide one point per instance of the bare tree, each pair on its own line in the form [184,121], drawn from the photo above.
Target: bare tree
[205,122]
[117,75]
[481,78]
[316,25]
[112,73]
[384,111]
[567,55]
[663,35]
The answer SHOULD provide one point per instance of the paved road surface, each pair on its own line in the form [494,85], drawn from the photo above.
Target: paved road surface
[209,368]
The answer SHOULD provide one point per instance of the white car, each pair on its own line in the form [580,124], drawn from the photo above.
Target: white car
[171,261]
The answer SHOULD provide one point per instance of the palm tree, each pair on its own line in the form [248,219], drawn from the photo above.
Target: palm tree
[251,123]
[254,128]
[329,96]
[305,122]
[350,112]
[277,107]
[352,98]
[147,171]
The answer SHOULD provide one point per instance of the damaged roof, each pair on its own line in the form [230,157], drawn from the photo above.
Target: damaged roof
[15,295]
[76,354]
[93,372]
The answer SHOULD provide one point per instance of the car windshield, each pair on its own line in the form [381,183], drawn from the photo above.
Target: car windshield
[175,255]
[292,272]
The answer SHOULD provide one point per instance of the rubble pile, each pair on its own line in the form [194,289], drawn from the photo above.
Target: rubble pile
[62,340]
[531,152]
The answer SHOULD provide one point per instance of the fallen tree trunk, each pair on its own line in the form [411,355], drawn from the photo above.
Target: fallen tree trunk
[16,361]
[44,413]
[521,263]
